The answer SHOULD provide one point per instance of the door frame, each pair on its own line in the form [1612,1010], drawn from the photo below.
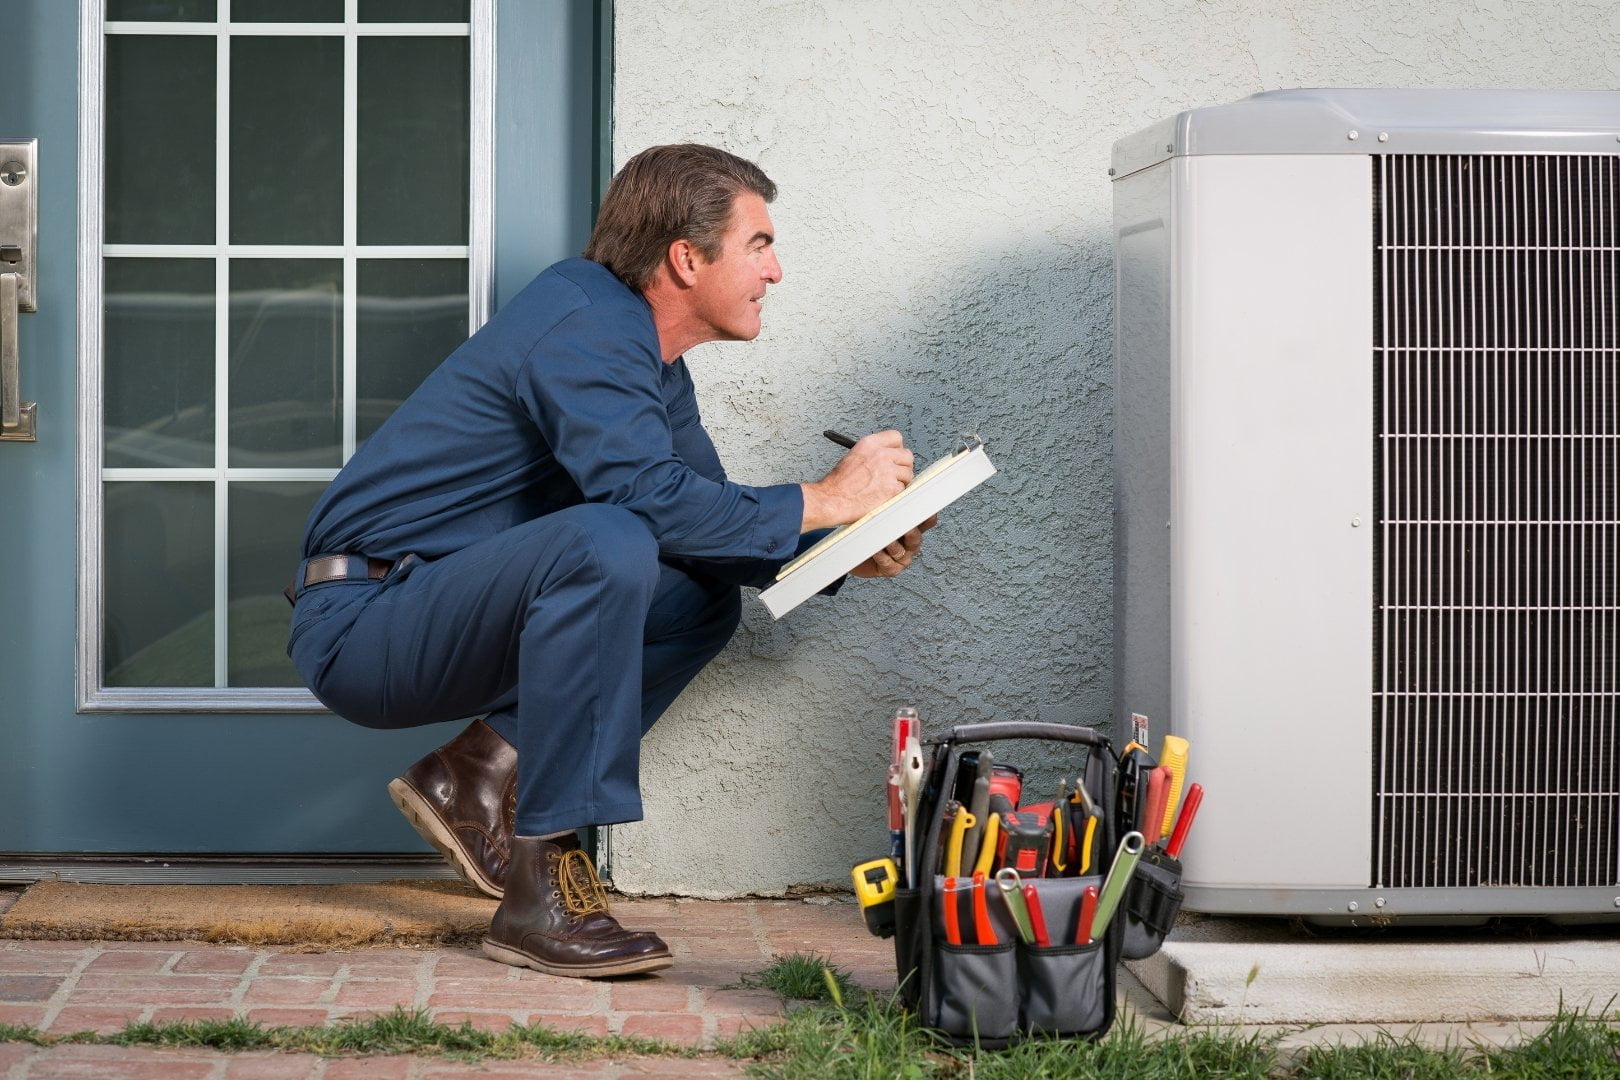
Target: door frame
[528,126]
[316,782]
[90,638]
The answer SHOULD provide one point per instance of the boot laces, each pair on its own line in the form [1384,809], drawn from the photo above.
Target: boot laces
[582,892]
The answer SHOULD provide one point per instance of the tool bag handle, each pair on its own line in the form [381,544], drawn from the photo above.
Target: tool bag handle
[1023,729]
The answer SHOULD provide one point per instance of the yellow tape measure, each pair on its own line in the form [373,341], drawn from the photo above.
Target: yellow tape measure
[875,881]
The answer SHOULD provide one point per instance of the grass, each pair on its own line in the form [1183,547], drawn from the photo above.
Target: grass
[403,1031]
[860,1036]
[839,1031]
[802,977]
[873,1038]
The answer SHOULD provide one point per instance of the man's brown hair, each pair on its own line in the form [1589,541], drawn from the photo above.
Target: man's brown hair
[669,193]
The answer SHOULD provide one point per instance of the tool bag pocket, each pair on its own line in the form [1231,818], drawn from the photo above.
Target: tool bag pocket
[975,991]
[907,902]
[1063,989]
[1151,903]
[1065,984]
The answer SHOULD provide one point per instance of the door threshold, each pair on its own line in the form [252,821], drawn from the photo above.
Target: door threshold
[238,869]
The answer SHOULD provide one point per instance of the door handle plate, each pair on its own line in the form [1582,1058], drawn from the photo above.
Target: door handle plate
[19,273]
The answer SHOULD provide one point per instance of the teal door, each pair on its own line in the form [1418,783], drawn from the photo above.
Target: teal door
[260,223]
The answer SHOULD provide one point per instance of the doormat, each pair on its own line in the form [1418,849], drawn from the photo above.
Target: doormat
[307,916]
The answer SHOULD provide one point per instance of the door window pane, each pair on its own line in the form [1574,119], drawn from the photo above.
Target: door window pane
[413,10]
[266,524]
[413,139]
[242,363]
[160,140]
[286,10]
[161,10]
[158,376]
[286,140]
[413,313]
[286,363]
[159,580]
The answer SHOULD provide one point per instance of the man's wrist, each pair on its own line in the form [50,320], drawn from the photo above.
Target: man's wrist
[821,510]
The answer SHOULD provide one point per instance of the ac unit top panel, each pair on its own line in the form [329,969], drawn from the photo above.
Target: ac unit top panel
[1383,122]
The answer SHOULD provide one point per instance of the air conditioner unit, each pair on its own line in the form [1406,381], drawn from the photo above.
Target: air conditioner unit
[1367,464]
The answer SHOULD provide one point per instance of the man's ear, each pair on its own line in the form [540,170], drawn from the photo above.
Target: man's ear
[683,260]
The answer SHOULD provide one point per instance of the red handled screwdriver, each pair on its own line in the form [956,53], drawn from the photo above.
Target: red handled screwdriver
[1189,810]
[1037,917]
[1088,911]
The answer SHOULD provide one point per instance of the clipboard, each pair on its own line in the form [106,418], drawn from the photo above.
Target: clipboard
[847,546]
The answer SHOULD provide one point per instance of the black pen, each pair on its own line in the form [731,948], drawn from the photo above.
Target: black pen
[840,438]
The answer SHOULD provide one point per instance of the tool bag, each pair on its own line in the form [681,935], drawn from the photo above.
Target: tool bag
[1152,902]
[1154,895]
[991,995]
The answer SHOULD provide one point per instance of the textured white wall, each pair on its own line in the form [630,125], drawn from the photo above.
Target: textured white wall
[944,227]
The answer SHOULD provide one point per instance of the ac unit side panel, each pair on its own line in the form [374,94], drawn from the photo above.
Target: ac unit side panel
[1271,495]
[1142,307]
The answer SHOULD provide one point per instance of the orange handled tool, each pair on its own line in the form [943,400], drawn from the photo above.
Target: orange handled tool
[953,923]
[984,931]
[1158,790]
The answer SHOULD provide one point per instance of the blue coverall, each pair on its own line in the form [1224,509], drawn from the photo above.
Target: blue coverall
[567,548]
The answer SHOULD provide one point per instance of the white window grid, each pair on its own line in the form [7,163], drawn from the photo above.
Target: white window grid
[478,251]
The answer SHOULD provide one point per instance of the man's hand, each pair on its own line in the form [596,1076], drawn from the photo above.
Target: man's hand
[897,556]
[878,468]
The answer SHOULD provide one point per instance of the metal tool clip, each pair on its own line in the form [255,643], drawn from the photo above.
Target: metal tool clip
[1012,891]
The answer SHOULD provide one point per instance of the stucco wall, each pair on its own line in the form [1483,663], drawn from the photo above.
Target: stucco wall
[943,225]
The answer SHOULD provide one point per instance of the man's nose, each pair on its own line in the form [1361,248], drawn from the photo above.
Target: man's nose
[773,270]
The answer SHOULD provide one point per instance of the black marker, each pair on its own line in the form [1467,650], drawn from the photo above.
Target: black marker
[840,438]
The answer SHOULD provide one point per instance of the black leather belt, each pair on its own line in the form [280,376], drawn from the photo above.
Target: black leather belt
[339,568]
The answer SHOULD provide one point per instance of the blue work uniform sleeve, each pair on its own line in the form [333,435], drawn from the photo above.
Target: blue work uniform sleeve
[597,398]
[695,448]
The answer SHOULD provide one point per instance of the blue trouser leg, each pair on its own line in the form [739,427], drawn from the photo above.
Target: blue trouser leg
[690,621]
[572,614]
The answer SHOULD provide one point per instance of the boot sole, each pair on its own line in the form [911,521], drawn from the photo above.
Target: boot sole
[426,821]
[632,966]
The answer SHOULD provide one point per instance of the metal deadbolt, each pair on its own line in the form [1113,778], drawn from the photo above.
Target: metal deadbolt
[13,173]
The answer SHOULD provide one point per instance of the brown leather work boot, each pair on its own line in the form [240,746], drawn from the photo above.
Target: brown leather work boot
[462,798]
[555,917]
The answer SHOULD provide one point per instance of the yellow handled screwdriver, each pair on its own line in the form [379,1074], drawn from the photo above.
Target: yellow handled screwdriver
[987,846]
[1173,756]
[961,821]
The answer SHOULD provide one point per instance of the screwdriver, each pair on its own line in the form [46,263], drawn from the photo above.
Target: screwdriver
[1088,912]
[961,819]
[1173,756]
[1189,810]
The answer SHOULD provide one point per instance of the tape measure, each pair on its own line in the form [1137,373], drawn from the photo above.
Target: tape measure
[875,881]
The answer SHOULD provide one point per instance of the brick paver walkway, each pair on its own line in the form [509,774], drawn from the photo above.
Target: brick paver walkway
[68,986]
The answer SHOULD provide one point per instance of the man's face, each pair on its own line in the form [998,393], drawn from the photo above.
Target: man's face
[730,291]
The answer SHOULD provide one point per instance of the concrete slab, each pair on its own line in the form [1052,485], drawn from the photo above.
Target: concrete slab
[1140,1007]
[1262,972]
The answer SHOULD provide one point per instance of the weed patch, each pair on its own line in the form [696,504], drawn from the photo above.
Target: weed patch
[802,977]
